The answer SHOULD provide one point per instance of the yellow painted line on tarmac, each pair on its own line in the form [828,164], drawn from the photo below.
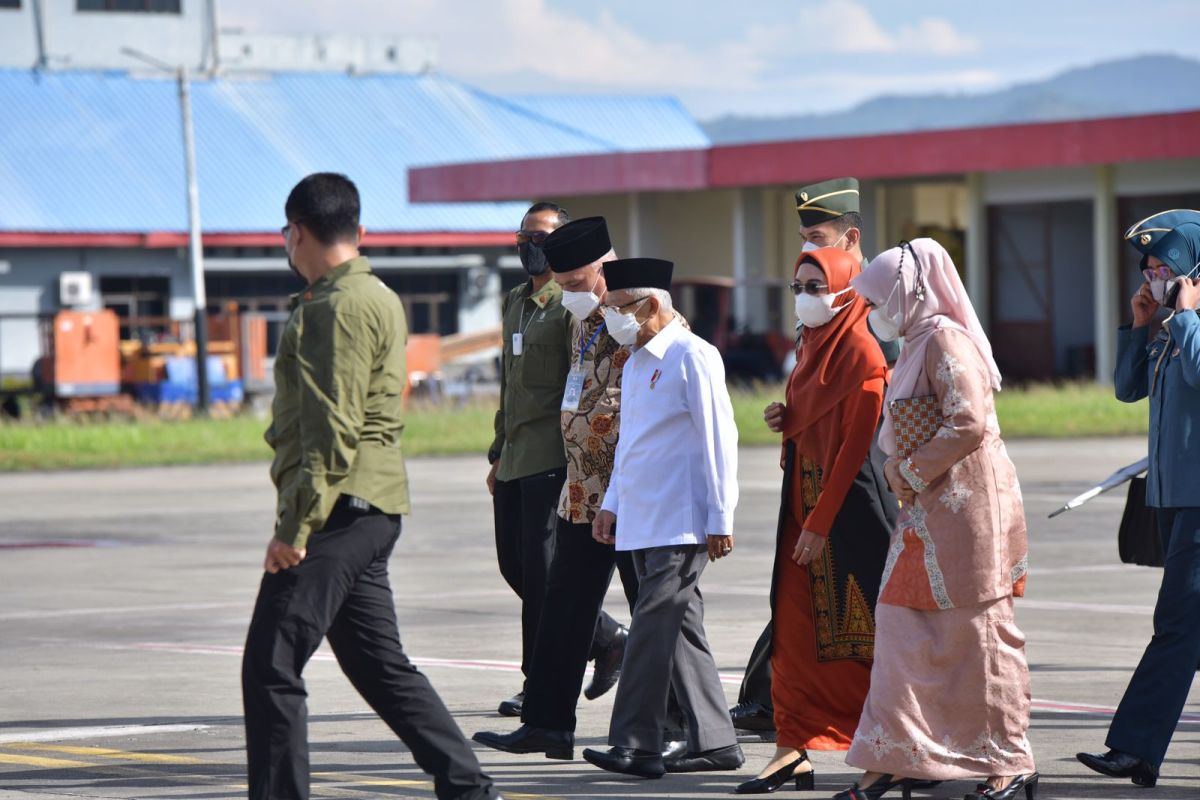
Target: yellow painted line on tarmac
[104,752]
[45,763]
[361,780]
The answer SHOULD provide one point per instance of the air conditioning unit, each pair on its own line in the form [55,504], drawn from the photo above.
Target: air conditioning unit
[75,289]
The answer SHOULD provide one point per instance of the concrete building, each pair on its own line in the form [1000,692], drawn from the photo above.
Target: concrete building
[92,178]
[1033,215]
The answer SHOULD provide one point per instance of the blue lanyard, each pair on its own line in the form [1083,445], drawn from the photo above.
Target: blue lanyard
[588,346]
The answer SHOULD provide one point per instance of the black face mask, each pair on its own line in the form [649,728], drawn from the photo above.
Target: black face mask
[292,267]
[532,258]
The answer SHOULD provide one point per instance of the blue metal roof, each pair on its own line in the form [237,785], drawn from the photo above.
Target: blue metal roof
[623,123]
[101,152]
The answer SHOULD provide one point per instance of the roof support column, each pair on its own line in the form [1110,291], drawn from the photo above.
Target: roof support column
[740,299]
[749,253]
[635,225]
[1104,267]
[879,219]
[976,267]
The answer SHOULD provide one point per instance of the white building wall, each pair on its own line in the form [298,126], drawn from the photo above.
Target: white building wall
[93,39]
[1156,177]
[30,287]
[18,38]
[1039,185]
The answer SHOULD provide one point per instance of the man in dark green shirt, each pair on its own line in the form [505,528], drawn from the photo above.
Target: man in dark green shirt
[340,476]
[527,455]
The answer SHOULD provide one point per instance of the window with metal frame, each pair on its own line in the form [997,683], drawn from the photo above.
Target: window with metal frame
[135,6]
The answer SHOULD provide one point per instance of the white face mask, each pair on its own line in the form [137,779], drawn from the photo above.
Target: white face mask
[813,310]
[885,326]
[582,304]
[1159,288]
[623,328]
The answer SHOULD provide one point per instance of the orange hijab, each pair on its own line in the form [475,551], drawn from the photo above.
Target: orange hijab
[834,360]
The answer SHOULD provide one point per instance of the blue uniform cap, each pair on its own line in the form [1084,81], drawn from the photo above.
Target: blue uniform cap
[1171,236]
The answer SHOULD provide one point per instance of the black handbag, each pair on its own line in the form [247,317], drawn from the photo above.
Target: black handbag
[1138,541]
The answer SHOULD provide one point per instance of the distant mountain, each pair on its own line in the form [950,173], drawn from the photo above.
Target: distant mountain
[1142,85]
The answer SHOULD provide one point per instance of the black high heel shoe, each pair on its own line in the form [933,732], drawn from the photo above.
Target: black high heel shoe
[805,781]
[877,789]
[1027,782]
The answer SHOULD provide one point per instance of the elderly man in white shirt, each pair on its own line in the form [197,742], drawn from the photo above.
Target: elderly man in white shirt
[670,502]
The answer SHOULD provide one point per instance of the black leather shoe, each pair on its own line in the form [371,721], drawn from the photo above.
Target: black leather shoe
[513,706]
[1116,764]
[877,789]
[716,760]
[805,781]
[1027,783]
[752,717]
[528,739]
[628,761]
[673,750]
[608,666]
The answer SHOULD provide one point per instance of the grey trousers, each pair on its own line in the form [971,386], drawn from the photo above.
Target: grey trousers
[667,647]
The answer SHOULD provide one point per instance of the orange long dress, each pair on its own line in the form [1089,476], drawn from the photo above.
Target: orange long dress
[824,627]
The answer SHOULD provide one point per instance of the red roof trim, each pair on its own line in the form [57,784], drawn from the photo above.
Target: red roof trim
[993,149]
[600,173]
[943,152]
[165,240]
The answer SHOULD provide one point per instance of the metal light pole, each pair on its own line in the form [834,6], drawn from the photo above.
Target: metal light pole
[195,246]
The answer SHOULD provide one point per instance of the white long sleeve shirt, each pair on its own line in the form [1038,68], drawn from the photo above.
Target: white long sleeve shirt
[675,476]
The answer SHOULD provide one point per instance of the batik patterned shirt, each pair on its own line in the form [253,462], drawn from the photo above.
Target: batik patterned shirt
[590,432]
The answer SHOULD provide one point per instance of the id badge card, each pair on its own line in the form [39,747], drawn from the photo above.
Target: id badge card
[518,340]
[574,390]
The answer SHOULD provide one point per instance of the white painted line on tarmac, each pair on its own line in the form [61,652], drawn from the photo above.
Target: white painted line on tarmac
[321,655]
[1098,608]
[731,678]
[80,612]
[1084,568]
[95,732]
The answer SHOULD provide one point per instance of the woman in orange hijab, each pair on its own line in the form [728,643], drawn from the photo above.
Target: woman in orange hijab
[835,520]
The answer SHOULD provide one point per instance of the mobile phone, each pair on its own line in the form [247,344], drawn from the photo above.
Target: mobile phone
[1172,295]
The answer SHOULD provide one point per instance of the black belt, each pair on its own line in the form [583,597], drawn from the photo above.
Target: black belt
[356,505]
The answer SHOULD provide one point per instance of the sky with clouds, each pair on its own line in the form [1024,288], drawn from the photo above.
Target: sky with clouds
[761,57]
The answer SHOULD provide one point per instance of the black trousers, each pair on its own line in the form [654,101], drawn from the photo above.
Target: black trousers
[756,683]
[571,620]
[1149,712]
[526,512]
[341,591]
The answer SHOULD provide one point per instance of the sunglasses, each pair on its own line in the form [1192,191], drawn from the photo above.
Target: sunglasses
[537,237]
[1158,273]
[284,230]
[808,287]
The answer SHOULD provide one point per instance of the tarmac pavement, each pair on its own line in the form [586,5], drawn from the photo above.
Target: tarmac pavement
[125,595]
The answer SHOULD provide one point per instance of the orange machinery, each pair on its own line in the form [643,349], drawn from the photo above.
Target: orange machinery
[428,352]
[82,367]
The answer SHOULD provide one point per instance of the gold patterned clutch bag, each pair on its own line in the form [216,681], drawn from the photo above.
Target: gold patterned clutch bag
[915,421]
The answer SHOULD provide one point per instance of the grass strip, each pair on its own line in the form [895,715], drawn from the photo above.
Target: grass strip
[1044,411]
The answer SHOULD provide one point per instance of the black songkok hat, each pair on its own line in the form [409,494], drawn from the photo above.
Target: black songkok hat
[577,244]
[638,273]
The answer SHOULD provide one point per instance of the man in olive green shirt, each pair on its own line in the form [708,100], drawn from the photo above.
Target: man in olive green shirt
[527,455]
[340,476]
